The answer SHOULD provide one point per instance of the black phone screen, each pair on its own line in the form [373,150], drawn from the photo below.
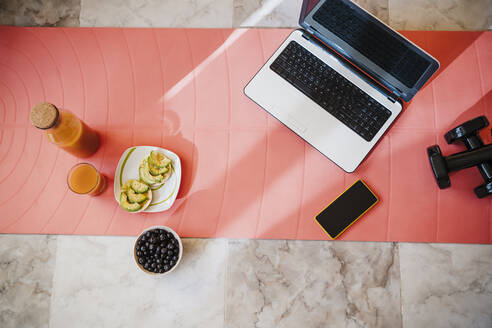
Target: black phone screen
[346,209]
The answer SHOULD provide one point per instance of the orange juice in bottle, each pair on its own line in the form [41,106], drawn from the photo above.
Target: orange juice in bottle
[65,130]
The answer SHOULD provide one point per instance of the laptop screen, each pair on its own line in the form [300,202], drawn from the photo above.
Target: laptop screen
[365,41]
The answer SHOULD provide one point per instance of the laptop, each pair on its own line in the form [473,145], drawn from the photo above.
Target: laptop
[340,81]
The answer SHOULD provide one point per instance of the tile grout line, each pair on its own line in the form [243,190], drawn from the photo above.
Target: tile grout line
[401,283]
[389,13]
[226,276]
[52,296]
[80,14]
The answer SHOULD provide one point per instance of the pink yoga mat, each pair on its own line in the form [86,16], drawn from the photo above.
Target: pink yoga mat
[244,174]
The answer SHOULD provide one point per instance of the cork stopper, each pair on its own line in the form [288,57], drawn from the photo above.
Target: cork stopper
[44,115]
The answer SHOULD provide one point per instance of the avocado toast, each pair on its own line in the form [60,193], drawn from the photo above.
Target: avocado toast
[135,196]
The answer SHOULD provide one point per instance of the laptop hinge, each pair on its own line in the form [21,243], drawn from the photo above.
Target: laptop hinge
[310,29]
[392,99]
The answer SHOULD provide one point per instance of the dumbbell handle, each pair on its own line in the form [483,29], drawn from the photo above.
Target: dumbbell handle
[469,158]
[474,142]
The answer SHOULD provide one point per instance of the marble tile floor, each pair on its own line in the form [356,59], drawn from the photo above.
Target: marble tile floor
[400,14]
[83,281]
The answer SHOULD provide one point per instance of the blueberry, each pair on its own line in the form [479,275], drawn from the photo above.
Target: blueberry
[170,246]
[169,235]
[147,234]
[152,240]
[139,253]
[174,241]
[143,238]
[166,261]
[143,248]
[161,271]
[152,265]
[170,253]
[176,251]
[162,237]
[172,263]
[159,266]
[151,247]
[163,250]
[141,260]
[158,260]
[158,249]
[137,248]
[145,253]
[175,258]
[166,267]
[146,266]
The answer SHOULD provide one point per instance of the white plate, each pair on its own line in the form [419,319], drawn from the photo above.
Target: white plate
[163,196]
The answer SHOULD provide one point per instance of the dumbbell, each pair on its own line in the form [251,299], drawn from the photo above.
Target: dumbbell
[477,154]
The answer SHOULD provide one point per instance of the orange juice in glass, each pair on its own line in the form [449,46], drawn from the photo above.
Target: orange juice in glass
[84,179]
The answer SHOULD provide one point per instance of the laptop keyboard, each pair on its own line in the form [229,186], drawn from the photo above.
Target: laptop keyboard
[326,87]
[373,41]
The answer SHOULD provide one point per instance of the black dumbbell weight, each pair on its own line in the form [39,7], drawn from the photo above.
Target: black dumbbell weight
[442,165]
[484,190]
[468,133]
[477,155]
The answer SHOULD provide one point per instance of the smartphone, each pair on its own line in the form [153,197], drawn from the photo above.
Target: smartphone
[346,209]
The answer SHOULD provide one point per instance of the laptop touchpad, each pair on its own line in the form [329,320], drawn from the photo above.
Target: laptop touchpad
[295,124]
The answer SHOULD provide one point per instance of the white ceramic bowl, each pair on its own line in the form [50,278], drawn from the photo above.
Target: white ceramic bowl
[180,254]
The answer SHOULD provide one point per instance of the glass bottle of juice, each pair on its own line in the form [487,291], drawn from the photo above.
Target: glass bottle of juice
[65,130]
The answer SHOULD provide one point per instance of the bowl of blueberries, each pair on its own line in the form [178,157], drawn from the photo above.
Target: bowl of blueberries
[158,250]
